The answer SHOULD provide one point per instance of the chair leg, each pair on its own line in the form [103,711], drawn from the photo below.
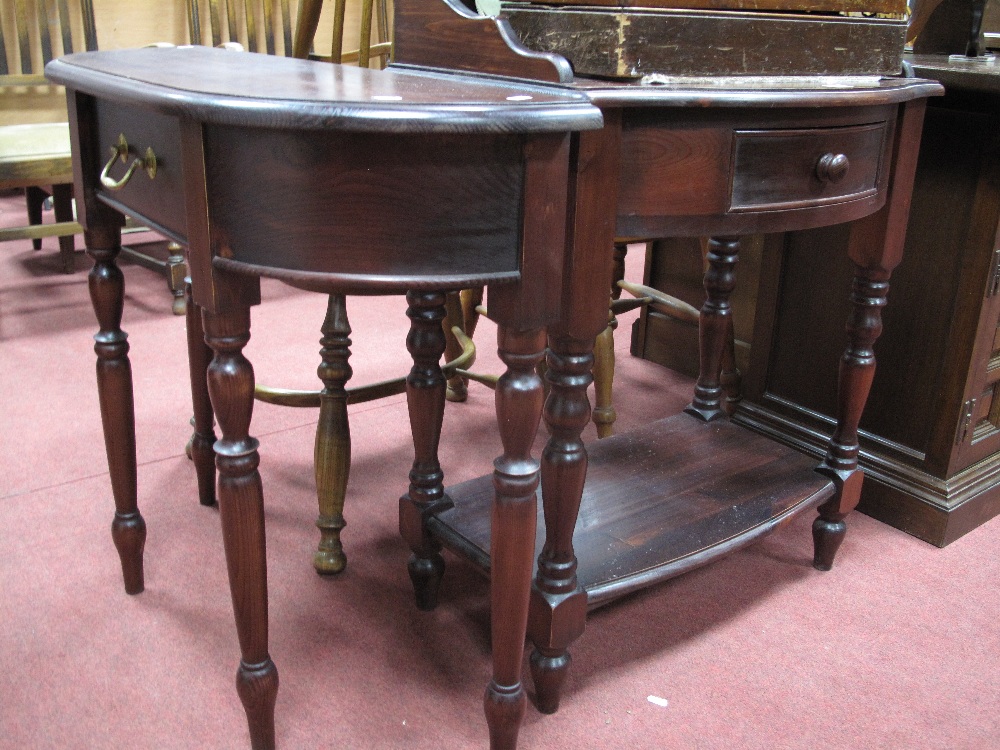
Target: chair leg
[176,268]
[35,197]
[62,201]
[604,414]
[333,437]
[458,388]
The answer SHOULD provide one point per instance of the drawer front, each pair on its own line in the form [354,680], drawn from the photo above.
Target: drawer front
[787,169]
[158,200]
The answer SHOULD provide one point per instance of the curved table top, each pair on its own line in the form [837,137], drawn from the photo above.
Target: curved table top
[978,74]
[245,88]
[769,92]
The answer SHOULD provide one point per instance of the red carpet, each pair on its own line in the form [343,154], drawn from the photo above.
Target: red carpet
[896,648]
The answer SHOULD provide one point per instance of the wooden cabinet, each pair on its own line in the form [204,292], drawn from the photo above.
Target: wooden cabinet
[931,440]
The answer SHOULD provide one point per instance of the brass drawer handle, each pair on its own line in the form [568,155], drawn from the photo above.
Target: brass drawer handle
[120,151]
[832,167]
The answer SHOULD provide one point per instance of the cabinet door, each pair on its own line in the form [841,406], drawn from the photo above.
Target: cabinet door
[978,433]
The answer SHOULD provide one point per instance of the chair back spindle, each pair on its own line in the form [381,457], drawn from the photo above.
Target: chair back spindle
[256,25]
[33,32]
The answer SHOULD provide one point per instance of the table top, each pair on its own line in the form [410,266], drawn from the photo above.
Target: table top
[956,72]
[244,88]
[768,92]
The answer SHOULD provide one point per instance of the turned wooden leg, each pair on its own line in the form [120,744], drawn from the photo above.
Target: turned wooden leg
[458,387]
[519,397]
[114,387]
[200,447]
[241,508]
[34,198]
[715,327]
[604,414]
[333,436]
[857,368]
[462,310]
[62,207]
[558,603]
[425,398]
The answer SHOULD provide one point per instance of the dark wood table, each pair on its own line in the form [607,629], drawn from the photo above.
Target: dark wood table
[429,183]
[930,437]
[716,157]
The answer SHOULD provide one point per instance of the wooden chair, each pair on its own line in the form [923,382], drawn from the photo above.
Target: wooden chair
[36,156]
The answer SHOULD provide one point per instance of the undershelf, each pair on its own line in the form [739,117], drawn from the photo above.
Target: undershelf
[658,501]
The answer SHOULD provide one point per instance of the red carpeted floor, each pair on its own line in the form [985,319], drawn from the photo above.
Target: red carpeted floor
[896,648]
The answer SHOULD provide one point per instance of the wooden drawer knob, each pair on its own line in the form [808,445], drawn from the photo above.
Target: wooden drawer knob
[832,167]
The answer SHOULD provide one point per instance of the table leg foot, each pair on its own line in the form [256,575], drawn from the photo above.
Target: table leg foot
[257,686]
[128,531]
[828,533]
[329,558]
[504,706]
[426,574]
[548,672]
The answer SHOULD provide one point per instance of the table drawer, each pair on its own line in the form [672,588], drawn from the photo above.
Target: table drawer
[158,200]
[782,169]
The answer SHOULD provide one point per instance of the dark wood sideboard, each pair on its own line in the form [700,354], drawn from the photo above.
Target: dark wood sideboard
[931,432]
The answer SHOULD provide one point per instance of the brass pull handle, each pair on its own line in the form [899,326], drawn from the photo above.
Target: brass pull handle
[832,167]
[120,151]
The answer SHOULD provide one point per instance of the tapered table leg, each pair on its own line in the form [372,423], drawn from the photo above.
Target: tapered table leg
[857,369]
[519,397]
[875,247]
[559,604]
[425,399]
[114,387]
[241,506]
[200,447]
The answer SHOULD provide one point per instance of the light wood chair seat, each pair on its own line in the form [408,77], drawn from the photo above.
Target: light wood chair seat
[30,154]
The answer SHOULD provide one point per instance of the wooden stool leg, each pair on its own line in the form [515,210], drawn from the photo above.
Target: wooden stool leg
[715,327]
[177,282]
[200,447]
[559,604]
[333,436]
[458,387]
[62,206]
[114,387]
[425,398]
[604,415]
[519,397]
[857,368]
[241,508]
[34,199]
